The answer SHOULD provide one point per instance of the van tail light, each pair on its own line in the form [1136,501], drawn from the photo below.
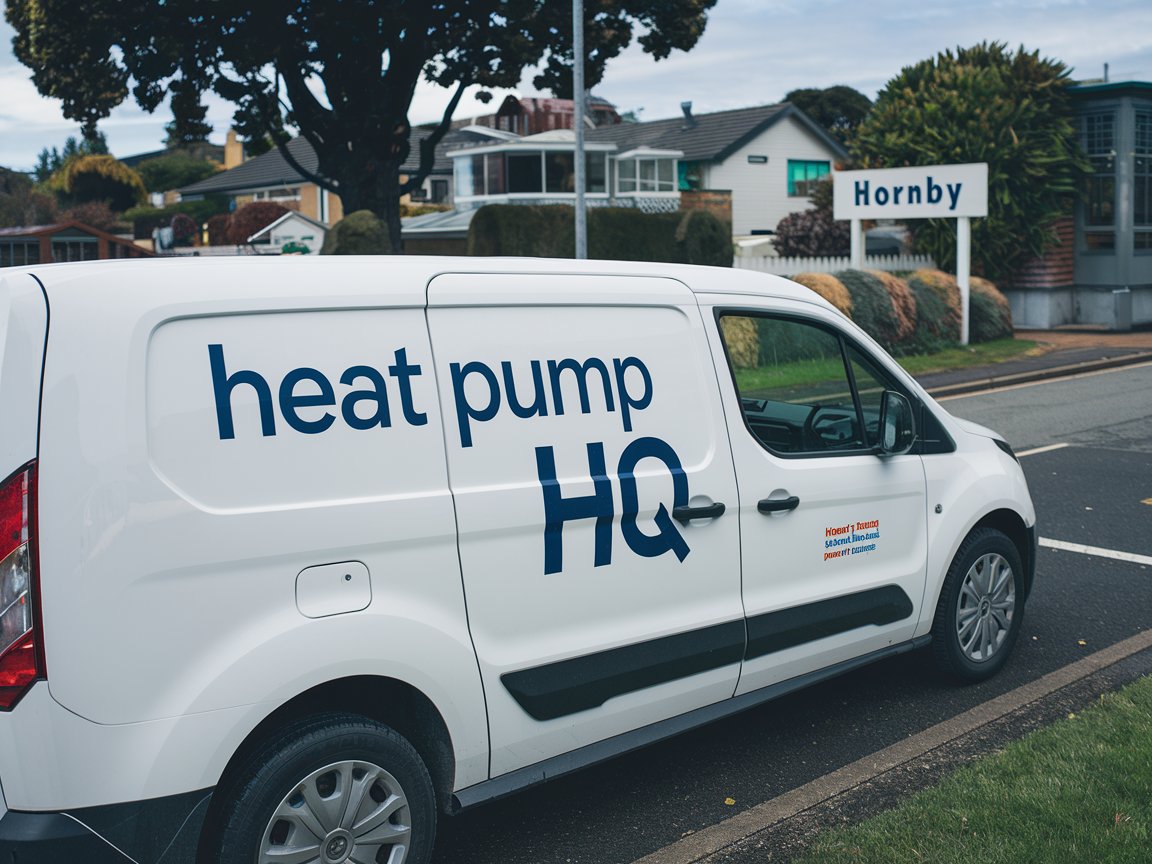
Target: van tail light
[21,636]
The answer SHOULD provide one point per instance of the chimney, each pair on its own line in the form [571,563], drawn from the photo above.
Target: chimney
[233,150]
[689,120]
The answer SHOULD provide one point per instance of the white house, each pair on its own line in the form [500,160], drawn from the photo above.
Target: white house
[766,157]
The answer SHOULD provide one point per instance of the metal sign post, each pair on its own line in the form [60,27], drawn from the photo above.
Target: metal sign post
[578,123]
[925,192]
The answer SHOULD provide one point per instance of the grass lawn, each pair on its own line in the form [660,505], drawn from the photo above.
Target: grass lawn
[971,355]
[1077,791]
[774,381]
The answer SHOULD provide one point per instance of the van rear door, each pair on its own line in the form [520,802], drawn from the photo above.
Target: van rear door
[23,331]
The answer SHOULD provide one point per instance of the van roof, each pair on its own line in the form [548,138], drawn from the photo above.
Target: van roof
[402,278]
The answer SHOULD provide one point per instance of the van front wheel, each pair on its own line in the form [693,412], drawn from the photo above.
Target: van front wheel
[981,607]
[334,788]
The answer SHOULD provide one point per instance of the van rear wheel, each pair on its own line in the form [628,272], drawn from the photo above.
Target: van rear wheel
[981,607]
[333,788]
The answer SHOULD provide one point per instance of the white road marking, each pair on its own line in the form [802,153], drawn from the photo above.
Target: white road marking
[1067,377]
[1045,449]
[1097,551]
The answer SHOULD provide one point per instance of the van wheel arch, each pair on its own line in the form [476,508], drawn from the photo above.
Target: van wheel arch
[1011,524]
[389,701]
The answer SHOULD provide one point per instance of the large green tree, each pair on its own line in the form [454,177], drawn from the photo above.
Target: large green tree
[838,109]
[986,103]
[341,73]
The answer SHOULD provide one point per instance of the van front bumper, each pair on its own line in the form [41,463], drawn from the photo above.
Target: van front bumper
[160,831]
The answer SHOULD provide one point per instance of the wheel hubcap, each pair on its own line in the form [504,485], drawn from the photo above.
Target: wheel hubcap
[351,811]
[986,607]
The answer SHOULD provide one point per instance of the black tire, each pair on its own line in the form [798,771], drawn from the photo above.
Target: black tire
[339,758]
[983,553]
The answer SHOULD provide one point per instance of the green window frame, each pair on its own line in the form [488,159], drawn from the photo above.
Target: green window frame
[803,174]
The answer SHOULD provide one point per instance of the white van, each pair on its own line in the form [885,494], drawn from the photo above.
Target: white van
[297,553]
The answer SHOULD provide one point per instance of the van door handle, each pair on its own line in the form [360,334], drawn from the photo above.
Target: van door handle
[777,505]
[685,514]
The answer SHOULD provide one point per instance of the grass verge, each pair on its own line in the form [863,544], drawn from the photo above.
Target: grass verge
[970,355]
[1080,790]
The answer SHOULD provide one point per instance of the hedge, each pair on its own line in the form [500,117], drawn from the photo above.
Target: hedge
[917,315]
[614,233]
[145,218]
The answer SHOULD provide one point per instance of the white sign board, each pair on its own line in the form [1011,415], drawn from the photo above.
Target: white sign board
[925,192]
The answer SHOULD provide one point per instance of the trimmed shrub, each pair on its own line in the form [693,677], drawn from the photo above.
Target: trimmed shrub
[218,229]
[359,233]
[991,313]
[828,287]
[872,307]
[937,310]
[813,233]
[903,306]
[251,218]
[184,230]
[98,178]
[146,217]
[742,340]
[614,233]
[95,213]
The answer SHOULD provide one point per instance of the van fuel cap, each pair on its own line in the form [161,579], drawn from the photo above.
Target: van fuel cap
[333,589]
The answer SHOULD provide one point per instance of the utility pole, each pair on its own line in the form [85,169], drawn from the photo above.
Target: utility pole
[578,122]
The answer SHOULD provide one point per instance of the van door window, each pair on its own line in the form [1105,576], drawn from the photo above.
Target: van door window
[795,388]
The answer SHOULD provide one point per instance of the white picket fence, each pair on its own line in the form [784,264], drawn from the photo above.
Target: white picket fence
[792,266]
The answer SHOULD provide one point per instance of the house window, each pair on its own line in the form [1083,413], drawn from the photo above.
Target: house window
[1142,185]
[803,174]
[74,250]
[1098,136]
[439,191]
[646,175]
[284,194]
[19,253]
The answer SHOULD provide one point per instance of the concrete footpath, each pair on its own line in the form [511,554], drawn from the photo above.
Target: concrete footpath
[1060,352]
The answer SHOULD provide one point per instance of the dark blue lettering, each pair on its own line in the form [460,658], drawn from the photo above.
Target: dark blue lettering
[403,372]
[881,196]
[861,193]
[539,406]
[935,193]
[627,401]
[953,195]
[914,195]
[290,401]
[581,373]
[668,539]
[378,394]
[222,386]
[558,509]
[466,412]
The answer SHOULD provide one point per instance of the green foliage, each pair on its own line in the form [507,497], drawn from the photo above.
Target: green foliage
[188,125]
[21,205]
[367,56]
[938,310]
[145,217]
[218,229]
[50,161]
[174,170]
[813,233]
[984,104]
[359,233]
[98,178]
[872,307]
[840,109]
[990,311]
[94,213]
[614,234]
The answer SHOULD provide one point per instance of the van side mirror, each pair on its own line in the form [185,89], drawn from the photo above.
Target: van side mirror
[897,430]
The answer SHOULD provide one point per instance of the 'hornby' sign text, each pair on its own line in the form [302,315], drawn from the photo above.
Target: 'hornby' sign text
[926,192]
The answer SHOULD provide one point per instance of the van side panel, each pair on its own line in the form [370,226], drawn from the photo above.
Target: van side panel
[209,462]
[23,329]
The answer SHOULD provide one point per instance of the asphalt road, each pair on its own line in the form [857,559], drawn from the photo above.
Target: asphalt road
[1093,491]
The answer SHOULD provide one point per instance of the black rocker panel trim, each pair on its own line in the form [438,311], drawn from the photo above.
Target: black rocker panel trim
[787,628]
[579,683]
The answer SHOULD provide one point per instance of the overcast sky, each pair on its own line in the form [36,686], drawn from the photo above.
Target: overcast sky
[752,53]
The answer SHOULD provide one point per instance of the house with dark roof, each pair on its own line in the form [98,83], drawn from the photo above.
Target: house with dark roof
[764,158]
[62,241]
[270,177]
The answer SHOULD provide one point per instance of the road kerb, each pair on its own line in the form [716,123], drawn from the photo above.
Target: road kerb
[709,841]
[996,381]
